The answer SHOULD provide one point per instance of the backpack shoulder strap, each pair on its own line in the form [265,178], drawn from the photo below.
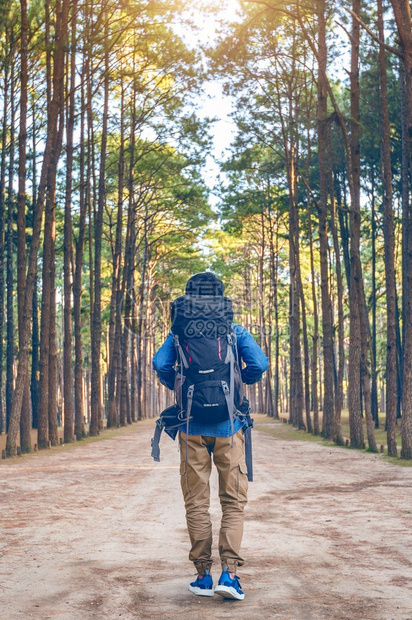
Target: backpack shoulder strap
[235,346]
[229,390]
[180,352]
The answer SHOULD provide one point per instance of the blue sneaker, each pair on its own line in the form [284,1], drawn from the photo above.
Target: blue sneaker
[203,586]
[229,588]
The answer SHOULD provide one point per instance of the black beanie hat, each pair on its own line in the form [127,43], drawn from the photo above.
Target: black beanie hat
[205,283]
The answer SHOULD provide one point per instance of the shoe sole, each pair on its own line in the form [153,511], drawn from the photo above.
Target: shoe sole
[201,591]
[229,592]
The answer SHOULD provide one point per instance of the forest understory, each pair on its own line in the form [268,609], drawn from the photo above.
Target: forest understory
[326,534]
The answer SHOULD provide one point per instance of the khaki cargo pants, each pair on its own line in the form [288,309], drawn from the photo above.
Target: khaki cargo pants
[233,484]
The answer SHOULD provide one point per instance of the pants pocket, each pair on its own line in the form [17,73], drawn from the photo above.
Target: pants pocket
[242,485]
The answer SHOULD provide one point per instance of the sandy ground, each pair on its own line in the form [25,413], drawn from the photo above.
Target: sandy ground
[98,531]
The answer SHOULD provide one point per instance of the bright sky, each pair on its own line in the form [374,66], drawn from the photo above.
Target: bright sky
[215,103]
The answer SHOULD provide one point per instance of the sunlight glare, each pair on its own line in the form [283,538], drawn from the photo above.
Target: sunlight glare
[209,16]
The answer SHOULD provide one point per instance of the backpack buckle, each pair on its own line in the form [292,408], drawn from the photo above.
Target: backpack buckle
[190,391]
[225,387]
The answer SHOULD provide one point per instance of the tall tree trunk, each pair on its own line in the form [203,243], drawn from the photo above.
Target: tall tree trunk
[115,301]
[273,241]
[146,302]
[43,421]
[90,189]
[53,429]
[133,381]
[389,237]
[309,426]
[290,147]
[406,216]
[296,387]
[25,419]
[314,370]
[314,364]
[373,303]
[140,323]
[399,357]
[9,269]
[403,20]
[44,359]
[354,373]
[266,398]
[328,403]
[339,285]
[343,210]
[96,404]
[296,382]
[128,297]
[50,159]
[47,428]
[34,382]
[68,243]
[276,389]
[3,425]
[79,429]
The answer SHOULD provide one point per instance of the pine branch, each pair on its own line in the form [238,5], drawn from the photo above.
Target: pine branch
[389,48]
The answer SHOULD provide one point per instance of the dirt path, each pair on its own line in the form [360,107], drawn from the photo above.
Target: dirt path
[99,532]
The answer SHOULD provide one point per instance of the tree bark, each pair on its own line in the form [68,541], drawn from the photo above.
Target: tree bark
[373,303]
[3,425]
[25,420]
[339,285]
[116,301]
[273,240]
[406,219]
[96,403]
[68,243]
[9,268]
[389,237]
[50,158]
[34,381]
[309,426]
[79,429]
[128,297]
[128,281]
[314,369]
[133,377]
[354,373]
[52,405]
[296,378]
[403,20]
[290,147]
[328,430]
[47,429]
[314,361]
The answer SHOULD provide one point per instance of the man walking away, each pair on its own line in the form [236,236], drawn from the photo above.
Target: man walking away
[206,358]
